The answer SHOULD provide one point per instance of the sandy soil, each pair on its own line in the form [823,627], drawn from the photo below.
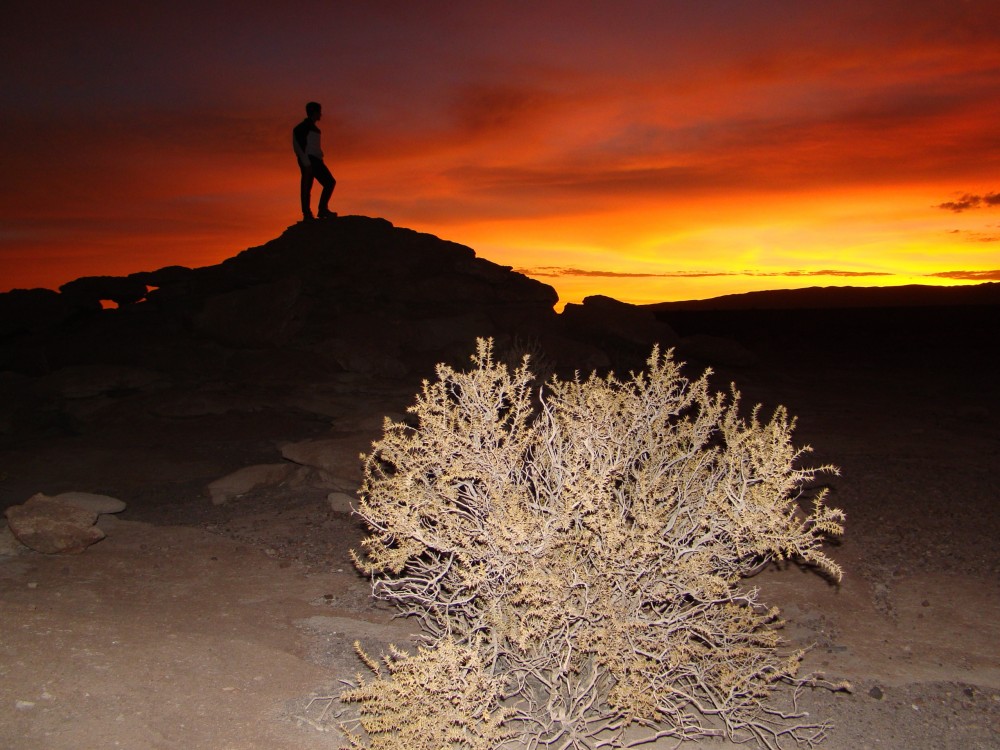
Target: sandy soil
[201,626]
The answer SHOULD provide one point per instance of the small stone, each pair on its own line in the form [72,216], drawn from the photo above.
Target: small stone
[341,502]
[876,693]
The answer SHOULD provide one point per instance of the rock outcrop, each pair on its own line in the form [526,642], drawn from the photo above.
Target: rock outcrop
[351,297]
[358,293]
[615,324]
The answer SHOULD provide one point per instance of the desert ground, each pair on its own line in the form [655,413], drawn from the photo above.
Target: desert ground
[222,616]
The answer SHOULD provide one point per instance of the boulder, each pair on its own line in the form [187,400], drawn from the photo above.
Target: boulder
[50,526]
[342,502]
[90,290]
[338,458]
[604,318]
[242,481]
[31,311]
[166,276]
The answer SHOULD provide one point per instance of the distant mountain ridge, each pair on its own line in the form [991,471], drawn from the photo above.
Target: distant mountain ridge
[833,297]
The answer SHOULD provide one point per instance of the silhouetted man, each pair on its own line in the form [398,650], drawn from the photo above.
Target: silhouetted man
[305,141]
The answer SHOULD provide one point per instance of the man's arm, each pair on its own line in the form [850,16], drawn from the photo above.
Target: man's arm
[299,146]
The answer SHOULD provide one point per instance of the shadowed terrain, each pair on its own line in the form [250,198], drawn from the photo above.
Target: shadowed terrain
[227,406]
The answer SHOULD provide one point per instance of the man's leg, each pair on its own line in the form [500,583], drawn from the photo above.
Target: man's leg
[305,191]
[324,178]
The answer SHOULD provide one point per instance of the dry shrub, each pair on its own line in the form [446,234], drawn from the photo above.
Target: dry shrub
[441,697]
[584,552]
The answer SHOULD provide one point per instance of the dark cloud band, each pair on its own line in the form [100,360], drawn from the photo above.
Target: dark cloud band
[557,271]
[970,201]
[969,275]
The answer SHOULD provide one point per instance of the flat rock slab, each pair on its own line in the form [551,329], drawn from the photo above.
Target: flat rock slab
[339,457]
[342,502]
[249,478]
[89,501]
[51,526]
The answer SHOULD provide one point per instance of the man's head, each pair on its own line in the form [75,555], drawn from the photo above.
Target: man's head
[313,110]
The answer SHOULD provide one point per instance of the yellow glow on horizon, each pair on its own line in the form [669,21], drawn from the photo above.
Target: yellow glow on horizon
[693,252]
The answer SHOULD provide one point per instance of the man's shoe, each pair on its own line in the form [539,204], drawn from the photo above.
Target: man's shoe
[308,217]
[326,214]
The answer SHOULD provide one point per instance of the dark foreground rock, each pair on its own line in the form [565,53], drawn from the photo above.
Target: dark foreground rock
[353,296]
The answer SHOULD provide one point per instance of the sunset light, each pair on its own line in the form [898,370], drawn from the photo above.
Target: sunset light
[648,151]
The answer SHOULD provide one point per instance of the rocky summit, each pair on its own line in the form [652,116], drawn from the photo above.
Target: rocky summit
[347,297]
[355,294]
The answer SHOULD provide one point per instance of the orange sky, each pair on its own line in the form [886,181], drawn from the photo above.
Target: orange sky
[645,150]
